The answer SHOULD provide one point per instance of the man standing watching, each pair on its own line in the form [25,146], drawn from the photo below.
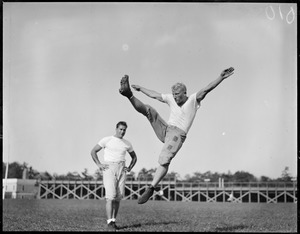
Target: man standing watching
[114,169]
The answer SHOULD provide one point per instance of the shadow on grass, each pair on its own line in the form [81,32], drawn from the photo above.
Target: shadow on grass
[145,224]
[230,228]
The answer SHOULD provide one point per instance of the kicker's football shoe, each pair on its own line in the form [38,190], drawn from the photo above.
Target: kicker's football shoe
[125,88]
[146,195]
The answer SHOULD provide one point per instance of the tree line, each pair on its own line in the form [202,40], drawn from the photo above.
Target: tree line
[19,171]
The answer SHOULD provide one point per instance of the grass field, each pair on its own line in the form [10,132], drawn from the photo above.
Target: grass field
[153,216]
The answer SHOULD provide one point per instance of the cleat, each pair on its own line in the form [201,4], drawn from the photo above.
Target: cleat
[146,195]
[125,88]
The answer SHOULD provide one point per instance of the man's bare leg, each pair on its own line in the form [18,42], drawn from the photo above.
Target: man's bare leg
[112,207]
[160,173]
[115,208]
[109,208]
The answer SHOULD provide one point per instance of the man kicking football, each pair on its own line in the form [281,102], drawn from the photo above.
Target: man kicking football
[183,109]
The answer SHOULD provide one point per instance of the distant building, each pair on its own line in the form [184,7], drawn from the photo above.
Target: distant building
[20,188]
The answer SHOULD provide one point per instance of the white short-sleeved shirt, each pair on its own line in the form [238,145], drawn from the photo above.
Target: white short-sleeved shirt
[115,148]
[182,117]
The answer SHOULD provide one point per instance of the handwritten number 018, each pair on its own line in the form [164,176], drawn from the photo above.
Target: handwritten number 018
[272,15]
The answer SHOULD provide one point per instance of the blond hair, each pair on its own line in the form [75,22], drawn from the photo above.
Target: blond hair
[179,85]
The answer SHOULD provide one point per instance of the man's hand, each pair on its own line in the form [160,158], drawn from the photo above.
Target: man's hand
[103,167]
[227,72]
[136,87]
[127,169]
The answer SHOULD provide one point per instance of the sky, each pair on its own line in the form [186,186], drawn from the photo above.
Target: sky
[63,62]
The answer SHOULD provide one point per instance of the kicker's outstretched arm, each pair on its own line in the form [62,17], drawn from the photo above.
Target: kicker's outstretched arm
[203,92]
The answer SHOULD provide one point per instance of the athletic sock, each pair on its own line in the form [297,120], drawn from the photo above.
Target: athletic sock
[109,220]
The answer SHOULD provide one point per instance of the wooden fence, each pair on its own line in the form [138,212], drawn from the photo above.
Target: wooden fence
[268,192]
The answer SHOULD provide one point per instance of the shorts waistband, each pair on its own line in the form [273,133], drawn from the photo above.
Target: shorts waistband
[110,162]
[177,129]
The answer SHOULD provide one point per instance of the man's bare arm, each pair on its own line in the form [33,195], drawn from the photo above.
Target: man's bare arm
[133,161]
[203,92]
[94,152]
[150,93]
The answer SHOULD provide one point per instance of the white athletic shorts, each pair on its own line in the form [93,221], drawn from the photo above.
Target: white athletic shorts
[114,180]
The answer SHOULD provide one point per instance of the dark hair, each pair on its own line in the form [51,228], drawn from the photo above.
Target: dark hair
[123,123]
